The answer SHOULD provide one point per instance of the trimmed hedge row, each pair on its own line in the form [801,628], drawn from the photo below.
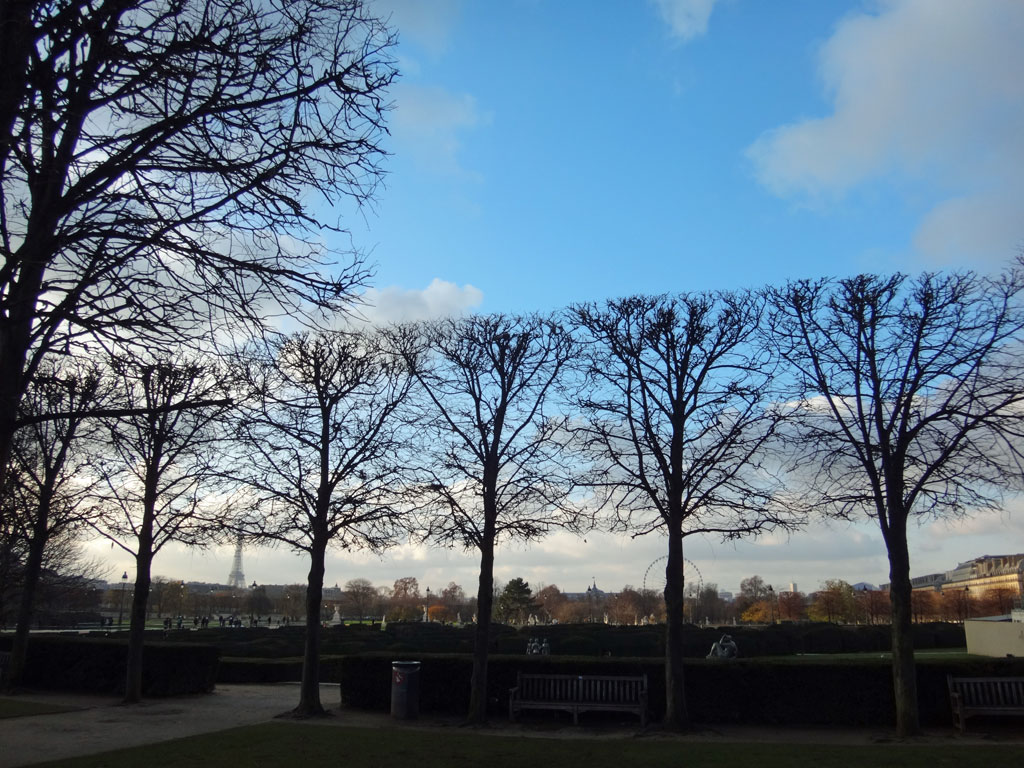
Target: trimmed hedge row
[774,640]
[565,639]
[246,670]
[98,665]
[755,691]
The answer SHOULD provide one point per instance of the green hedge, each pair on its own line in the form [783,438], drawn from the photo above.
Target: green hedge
[755,691]
[244,670]
[564,639]
[774,640]
[98,665]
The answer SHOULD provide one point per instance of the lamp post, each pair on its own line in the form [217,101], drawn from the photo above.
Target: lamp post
[120,609]
[967,603]
[427,612]
[771,602]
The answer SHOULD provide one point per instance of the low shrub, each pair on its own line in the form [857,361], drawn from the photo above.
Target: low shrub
[794,691]
[289,670]
[98,665]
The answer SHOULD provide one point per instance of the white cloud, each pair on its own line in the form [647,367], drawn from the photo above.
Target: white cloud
[852,552]
[984,223]
[924,93]
[439,299]
[428,24]
[687,19]
[427,123]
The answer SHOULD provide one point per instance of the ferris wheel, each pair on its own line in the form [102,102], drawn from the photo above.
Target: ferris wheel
[654,576]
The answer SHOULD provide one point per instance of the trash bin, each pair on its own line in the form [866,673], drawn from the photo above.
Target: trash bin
[405,690]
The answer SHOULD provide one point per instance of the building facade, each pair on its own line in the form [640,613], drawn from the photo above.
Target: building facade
[983,574]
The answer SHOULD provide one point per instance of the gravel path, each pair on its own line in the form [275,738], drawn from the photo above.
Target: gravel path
[103,724]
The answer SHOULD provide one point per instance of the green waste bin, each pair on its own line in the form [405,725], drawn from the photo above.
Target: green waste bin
[405,690]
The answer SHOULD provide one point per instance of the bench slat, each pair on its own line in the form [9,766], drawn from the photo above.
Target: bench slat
[984,696]
[577,693]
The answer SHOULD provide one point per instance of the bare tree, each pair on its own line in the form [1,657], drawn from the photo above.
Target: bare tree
[361,596]
[835,603]
[677,423]
[455,603]
[320,454]
[752,589]
[47,481]
[913,394]
[157,467]
[492,458]
[405,603]
[159,160]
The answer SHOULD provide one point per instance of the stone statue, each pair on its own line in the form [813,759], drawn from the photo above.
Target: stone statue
[724,649]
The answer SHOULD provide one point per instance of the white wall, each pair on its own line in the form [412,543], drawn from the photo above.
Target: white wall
[995,638]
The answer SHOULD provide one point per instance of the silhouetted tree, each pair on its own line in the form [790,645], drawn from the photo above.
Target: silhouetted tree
[49,480]
[159,163]
[678,417]
[156,466]
[492,462]
[912,393]
[319,452]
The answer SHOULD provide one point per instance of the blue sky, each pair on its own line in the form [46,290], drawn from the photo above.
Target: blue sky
[549,152]
[554,151]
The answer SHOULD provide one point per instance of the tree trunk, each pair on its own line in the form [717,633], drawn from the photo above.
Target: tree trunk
[309,691]
[18,37]
[676,714]
[137,627]
[484,609]
[904,672]
[30,580]
[15,339]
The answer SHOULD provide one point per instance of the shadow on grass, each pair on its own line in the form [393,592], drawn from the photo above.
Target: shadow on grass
[283,743]
[15,707]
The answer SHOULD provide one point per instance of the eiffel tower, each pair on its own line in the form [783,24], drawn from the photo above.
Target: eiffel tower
[236,580]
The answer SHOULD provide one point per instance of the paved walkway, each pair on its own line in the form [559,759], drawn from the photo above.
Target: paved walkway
[102,724]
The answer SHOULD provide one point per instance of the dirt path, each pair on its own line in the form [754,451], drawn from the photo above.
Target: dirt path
[102,724]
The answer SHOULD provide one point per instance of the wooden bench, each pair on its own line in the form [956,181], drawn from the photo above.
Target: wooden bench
[984,696]
[579,693]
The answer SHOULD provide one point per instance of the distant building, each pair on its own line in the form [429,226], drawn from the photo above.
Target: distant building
[592,593]
[333,593]
[863,586]
[978,576]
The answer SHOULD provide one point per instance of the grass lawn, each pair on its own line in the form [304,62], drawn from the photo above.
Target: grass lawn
[931,654]
[311,745]
[20,708]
